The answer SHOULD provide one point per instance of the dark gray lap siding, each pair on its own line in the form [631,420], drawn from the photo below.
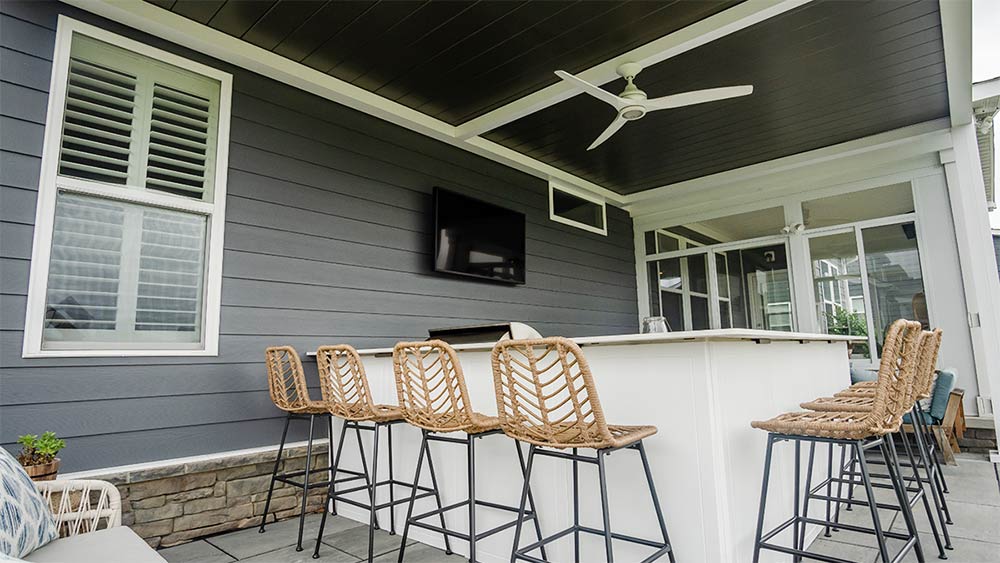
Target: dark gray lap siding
[327,240]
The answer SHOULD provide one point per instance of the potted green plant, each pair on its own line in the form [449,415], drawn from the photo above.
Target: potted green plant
[38,455]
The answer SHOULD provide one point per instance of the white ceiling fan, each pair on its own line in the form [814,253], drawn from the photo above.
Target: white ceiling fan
[632,103]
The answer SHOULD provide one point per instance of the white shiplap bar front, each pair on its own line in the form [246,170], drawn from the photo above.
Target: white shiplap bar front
[701,389]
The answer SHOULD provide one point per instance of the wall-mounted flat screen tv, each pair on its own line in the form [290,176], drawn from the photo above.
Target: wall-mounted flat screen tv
[477,239]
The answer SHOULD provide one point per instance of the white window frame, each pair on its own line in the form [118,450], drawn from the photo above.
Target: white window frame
[50,184]
[584,195]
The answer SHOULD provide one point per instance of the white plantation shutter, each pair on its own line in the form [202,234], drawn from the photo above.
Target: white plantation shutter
[85,265]
[180,142]
[170,272]
[127,270]
[134,121]
[98,122]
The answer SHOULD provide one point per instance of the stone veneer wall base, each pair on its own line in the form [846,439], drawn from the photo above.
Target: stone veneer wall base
[173,504]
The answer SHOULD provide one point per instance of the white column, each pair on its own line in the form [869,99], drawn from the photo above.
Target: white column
[966,193]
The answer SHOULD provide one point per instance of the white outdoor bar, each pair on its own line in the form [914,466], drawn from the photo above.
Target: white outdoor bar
[701,389]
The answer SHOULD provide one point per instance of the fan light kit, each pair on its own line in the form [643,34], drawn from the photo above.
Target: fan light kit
[632,103]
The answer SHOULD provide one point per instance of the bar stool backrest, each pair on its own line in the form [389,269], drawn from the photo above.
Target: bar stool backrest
[927,363]
[343,382]
[430,386]
[546,394]
[285,379]
[894,390]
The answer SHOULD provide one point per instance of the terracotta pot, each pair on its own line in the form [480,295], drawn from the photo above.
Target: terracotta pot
[43,472]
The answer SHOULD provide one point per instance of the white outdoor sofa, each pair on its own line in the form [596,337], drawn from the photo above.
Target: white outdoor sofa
[79,506]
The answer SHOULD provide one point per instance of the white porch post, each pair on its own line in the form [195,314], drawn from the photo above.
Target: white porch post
[966,194]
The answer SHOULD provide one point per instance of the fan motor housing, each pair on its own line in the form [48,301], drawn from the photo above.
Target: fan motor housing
[631,113]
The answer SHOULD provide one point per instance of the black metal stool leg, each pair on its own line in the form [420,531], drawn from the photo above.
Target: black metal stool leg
[933,469]
[531,500]
[332,473]
[656,499]
[795,501]
[305,481]
[392,486]
[602,475]
[805,502]
[471,458]
[364,468]
[274,474]
[872,504]
[576,507]
[840,486]
[931,515]
[336,465]
[437,496]
[374,496]
[902,496]
[413,497]
[829,489]
[763,498]
[322,521]
[523,503]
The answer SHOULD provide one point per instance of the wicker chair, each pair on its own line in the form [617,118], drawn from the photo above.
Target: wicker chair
[286,381]
[88,514]
[859,431]
[546,397]
[347,395]
[862,399]
[431,389]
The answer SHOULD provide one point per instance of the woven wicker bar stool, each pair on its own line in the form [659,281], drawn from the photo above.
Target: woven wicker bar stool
[862,399]
[432,393]
[928,345]
[546,397]
[347,395]
[287,383]
[859,432]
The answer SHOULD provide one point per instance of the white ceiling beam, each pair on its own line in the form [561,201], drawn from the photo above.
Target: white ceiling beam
[956,31]
[695,35]
[204,39]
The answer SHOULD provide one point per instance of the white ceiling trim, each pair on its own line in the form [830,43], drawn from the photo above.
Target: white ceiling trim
[986,89]
[187,33]
[956,31]
[695,35]
[898,144]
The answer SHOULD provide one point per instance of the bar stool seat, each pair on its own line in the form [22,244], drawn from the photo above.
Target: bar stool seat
[841,425]
[840,404]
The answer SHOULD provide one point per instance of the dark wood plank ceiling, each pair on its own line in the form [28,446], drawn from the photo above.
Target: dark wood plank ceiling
[453,60]
[824,73]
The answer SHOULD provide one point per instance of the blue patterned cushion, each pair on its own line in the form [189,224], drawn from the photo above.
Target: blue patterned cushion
[26,523]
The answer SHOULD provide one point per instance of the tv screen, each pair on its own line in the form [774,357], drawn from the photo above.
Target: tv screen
[477,239]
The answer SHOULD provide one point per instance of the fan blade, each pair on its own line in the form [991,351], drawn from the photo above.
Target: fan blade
[614,127]
[599,93]
[697,97]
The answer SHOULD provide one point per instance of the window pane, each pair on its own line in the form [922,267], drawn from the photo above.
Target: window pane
[123,275]
[673,309]
[895,282]
[698,273]
[769,296]
[578,209]
[837,288]
[884,201]
[699,313]
[170,272]
[85,265]
[666,243]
